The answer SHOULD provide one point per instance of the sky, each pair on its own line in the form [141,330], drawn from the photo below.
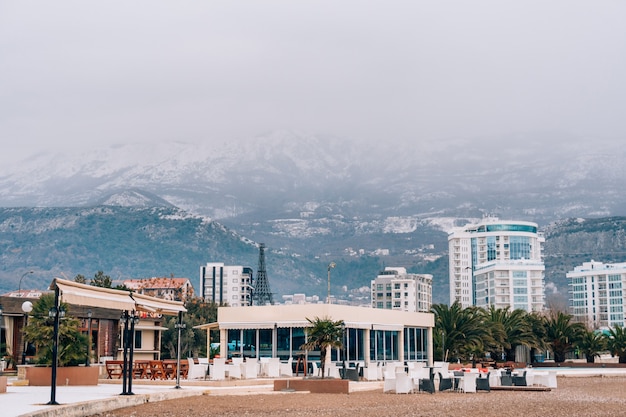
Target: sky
[79,74]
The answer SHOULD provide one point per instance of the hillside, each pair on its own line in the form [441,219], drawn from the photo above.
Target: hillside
[136,242]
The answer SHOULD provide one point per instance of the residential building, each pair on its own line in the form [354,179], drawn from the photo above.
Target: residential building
[596,293]
[394,289]
[497,263]
[172,289]
[226,285]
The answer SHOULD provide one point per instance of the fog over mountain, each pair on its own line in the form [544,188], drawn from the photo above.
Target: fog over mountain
[321,198]
[540,177]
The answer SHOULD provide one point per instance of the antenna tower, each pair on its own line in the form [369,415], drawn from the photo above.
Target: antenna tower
[262,294]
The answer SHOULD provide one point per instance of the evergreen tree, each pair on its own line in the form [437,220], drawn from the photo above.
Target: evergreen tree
[101,280]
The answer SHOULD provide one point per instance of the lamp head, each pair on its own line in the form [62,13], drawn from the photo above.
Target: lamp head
[27,307]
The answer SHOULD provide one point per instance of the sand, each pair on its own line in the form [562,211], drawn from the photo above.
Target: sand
[581,396]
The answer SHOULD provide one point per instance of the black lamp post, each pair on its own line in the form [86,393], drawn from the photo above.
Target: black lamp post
[88,357]
[55,313]
[27,307]
[124,319]
[179,326]
[128,336]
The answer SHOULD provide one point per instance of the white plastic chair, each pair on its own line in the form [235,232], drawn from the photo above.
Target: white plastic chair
[370,373]
[404,383]
[234,371]
[390,381]
[273,368]
[286,368]
[332,371]
[196,371]
[218,369]
[552,379]
[316,370]
[250,369]
[468,382]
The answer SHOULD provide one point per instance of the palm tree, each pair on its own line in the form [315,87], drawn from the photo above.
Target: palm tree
[462,328]
[510,329]
[616,343]
[324,333]
[591,344]
[562,334]
[40,330]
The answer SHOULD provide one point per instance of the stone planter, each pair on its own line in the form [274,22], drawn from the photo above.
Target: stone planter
[67,375]
[314,385]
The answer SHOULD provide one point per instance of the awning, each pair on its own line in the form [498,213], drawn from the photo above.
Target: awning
[357,325]
[87,295]
[388,327]
[147,303]
[293,323]
[160,328]
[208,326]
[246,325]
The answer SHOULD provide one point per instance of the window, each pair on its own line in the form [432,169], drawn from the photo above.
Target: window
[138,335]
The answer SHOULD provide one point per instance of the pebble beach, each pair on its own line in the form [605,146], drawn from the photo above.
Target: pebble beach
[575,396]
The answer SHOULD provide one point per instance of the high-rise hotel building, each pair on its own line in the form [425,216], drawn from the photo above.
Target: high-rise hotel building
[596,294]
[394,289]
[497,263]
[226,285]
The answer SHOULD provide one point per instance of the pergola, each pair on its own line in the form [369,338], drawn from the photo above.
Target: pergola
[127,302]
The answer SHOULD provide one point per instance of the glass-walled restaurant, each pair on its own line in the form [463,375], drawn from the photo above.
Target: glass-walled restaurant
[370,335]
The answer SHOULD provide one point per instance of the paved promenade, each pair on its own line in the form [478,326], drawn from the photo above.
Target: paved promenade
[85,400]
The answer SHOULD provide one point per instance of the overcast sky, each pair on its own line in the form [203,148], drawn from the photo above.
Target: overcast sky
[82,73]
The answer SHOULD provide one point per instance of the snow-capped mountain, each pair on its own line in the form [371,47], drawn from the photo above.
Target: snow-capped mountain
[324,181]
[324,198]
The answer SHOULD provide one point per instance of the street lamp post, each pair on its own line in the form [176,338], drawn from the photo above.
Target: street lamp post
[27,307]
[55,313]
[179,326]
[330,266]
[19,288]
[88,357]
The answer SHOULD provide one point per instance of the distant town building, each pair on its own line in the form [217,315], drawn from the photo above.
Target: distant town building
[596,294]
[497,263]
[226,285]
[173,289]
[394,289]
[300,298]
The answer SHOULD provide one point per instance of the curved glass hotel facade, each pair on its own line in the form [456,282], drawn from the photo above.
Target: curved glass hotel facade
[497,263]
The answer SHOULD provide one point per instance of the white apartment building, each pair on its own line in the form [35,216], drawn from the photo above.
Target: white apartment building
[226,285]
[497,263]
[394,289]
[596,294]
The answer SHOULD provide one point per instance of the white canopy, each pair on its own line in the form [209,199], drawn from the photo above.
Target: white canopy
[88,295]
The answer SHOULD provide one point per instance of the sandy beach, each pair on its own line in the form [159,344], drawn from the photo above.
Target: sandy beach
[575,396]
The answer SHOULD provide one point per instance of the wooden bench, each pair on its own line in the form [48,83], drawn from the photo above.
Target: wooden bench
[114,369]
